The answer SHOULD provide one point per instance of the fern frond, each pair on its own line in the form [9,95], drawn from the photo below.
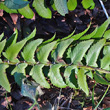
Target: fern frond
[84,53]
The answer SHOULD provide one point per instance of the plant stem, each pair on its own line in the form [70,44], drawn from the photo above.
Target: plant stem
[102,97]
[105,11]
[35,103]
[94,68]
[64,65]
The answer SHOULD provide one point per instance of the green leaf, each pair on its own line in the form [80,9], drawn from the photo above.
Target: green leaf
[102,29]
[16,4]
[68,36]
[107,34]
[88,36]
[29,89]
[3,78]
[79,51]
[77,36]
[106,50]
[13,50]
[72,4]
[38,75]
[107,76]
[55,76]
[31,35]
[88,4]
[53,5]
[93,53]
[99,79]
[2,45]
[1,36]
[26,12]
[67,74]
[49,40]
[19,73]
[90,74]
[43,11]
[44,52]
[8,10]
[29,50]
[105,61]
[12,40]
[62,46]
[0,61]
[82,83]
[61,6]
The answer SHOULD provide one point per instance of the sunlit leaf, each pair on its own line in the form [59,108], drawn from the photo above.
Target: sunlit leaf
[107,34]
[61,6]
[88,4]
[93,53]
[79,51]
[68,36]
[88,36]
[62,46]
[55,76]
[70,80]
[38,75]
[72,4]
[26,12]
[2,45]
[32,35]
[13,50]
[29,50]
[41,9]
[77,36]
[44,51]
[3,77]
[12,40]
[102,29]
[82,82]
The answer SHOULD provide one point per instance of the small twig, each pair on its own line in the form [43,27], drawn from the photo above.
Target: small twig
[71,95]
[94,68]
[64,103]
[35,103]
[104,9]
[59,98]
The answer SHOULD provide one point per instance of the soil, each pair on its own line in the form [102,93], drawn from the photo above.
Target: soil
[64,99]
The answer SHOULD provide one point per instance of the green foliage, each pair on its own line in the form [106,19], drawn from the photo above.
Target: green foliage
[61,6]
[93,53]
[72,4]
[38,76]
[55,76]
[26,12]
[15,4]
[19,73]
[35,55]
[79,51]
[41,9]
[88,4]
[29,50]
[3,78]
[82,81]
